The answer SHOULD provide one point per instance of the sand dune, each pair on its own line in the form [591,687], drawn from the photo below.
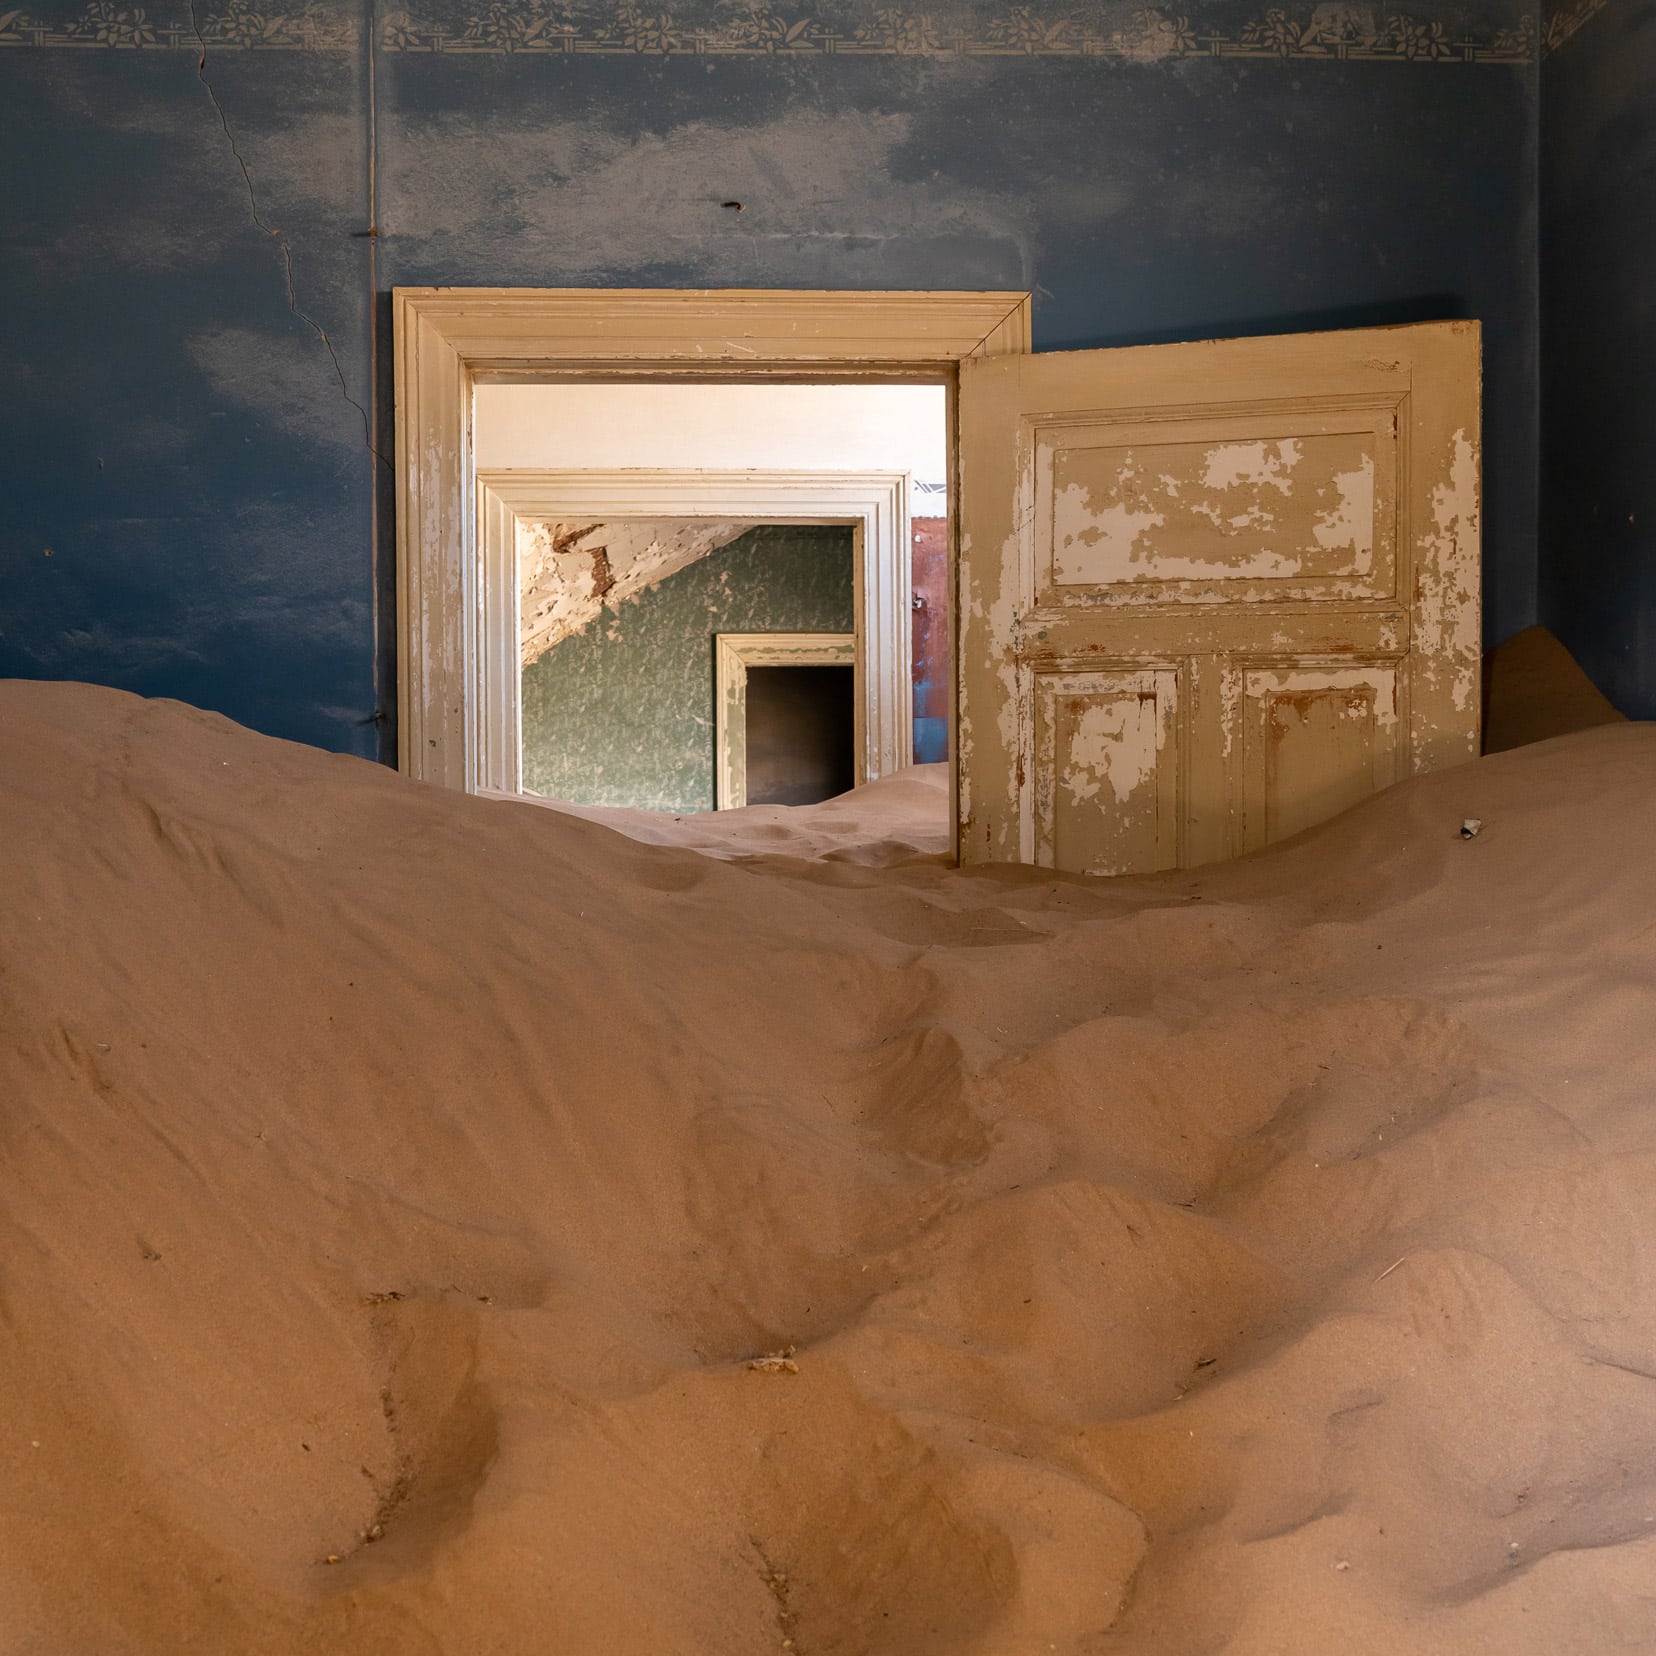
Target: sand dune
[400,1188]
[900,818]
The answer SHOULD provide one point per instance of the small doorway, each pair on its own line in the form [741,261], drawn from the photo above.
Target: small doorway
[786,732]
[798,742]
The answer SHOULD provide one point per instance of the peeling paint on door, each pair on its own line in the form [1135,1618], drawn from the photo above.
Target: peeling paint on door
[1105,768]
[1233,590]
[1296,509]
[1447,606]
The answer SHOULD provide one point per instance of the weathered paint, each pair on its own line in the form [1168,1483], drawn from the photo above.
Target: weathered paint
[1104,766]
[1320,762]
[1315,741]
[1141,716]
[1113,744]
[1446,629]
[569,573]
[1348,524]
[1292,509]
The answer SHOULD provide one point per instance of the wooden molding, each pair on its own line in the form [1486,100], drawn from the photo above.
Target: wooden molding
[874,504]
[444,337]
[734,654]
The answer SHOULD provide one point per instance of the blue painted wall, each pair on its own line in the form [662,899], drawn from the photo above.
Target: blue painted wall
[1598,245]
[622,713]
[191,452]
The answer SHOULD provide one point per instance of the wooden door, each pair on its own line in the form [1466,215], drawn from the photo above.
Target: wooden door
[1212,594]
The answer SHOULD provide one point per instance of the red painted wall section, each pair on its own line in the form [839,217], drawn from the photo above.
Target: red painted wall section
[931,640]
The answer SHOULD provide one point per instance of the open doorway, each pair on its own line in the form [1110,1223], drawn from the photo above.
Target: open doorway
[458,652]
[1207,593]
[727,595]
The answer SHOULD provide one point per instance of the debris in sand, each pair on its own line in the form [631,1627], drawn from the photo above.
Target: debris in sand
[775,1362]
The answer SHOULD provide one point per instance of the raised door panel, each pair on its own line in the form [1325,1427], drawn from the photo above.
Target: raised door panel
[1316,740]
[1287,526]
[1288,503]
[1106,775]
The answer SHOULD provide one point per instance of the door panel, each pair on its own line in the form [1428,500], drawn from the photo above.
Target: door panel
[1107,769]
[1315,741]
[1212,594]
[1290,506]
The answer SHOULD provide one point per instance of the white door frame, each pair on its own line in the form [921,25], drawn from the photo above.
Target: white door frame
[734,653]
[444,338]
[874,504]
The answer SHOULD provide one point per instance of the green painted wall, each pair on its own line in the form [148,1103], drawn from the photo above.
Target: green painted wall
[622,714]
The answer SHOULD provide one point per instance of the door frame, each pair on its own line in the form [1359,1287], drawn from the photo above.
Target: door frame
[446,339]
[874,505]
[734,654]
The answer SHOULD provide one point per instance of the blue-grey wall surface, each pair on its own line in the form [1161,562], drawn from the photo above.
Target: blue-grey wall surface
[1598,249]
[622,712]
[196,499]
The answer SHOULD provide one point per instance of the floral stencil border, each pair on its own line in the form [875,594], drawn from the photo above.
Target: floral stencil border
[1331,31]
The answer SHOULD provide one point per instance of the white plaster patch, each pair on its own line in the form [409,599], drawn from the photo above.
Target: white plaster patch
[1115,743]
[1112,533]
[1446,608]
[1349,524]
[569,575]
[1260,464]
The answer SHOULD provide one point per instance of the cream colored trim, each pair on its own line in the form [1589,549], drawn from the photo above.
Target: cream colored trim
[445,337]
[874,504]
[735,653]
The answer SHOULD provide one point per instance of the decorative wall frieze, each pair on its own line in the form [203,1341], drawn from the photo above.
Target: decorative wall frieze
[1330,31]
[1565,21]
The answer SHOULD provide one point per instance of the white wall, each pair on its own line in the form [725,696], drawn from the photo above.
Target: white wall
[716,427]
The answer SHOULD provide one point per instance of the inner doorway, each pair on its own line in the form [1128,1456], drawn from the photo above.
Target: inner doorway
[798,737]
[1208,593]
[641,528]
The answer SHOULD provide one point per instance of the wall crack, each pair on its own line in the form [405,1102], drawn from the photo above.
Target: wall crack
[281,240]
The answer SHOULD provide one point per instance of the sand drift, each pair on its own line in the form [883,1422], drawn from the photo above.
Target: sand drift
[437,1226]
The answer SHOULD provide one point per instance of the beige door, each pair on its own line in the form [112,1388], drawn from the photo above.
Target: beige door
[1212,594]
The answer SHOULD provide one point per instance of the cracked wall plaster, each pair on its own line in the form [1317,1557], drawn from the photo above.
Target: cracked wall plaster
[570,574]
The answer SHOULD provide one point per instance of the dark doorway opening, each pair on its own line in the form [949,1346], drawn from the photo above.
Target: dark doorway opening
[800,734]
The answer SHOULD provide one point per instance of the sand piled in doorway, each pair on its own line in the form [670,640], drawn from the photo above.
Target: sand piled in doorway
[901,818]
[433,1225]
